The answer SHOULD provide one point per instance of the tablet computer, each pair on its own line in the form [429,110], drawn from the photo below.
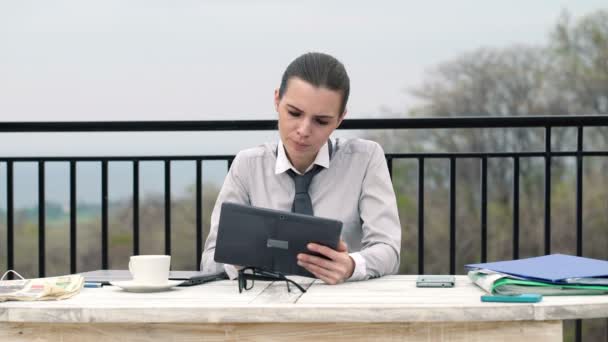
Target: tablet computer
[270,239]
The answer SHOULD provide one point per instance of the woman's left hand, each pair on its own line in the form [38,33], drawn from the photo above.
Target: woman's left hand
[337,269]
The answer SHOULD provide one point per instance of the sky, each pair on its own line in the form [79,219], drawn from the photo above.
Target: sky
[115,60]
[86,60]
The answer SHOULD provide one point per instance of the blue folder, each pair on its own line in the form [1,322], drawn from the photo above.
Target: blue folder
[549,268]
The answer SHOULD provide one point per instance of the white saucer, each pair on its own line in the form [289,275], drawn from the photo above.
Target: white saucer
[131,286]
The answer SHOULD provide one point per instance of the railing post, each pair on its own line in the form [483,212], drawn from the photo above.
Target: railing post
[136,207]
[579,191]
[484,209]
[516,208]
[104,214]
[199,214]
[10,240]
[168,207]
[41,219]
[579,212]
[421,215]
[73,206]
[452,215]
[547,189]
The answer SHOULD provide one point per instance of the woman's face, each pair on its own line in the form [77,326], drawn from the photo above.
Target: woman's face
[307,117]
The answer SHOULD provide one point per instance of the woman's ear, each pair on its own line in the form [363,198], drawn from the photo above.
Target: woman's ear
[276,100]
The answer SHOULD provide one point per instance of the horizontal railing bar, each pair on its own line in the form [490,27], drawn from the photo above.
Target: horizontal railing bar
[388,155]
[497,154]
[268,125]
[116,158]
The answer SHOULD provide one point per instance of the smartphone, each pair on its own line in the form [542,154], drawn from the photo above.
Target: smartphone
[522,298]
[435,281]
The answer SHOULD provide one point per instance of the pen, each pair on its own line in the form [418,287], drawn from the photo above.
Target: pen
[93,285]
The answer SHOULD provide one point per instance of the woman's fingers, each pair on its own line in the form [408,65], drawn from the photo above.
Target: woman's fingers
[335,268]
[327,275]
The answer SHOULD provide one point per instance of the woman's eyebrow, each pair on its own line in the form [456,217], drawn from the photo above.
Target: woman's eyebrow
[319,116]
[294,108]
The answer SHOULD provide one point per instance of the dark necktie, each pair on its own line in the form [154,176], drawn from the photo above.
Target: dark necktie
[301,201]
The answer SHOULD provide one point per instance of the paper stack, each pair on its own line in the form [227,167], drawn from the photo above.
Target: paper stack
[549,275]
[51,288]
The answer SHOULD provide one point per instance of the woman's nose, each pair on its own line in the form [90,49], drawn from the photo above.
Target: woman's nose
[304,128]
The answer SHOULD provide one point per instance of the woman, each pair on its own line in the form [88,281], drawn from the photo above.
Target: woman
[350,179]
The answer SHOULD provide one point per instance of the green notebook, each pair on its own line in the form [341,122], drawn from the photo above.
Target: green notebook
[508,286]
[503,284]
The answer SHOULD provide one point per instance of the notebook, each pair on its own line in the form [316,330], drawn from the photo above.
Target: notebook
[549,268]
[189,277]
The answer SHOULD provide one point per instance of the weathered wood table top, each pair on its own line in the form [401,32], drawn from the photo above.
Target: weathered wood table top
[387,299]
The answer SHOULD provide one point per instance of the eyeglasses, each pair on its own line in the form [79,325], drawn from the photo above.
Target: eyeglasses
[246,279]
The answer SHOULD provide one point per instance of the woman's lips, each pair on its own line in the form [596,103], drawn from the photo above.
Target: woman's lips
[298,146]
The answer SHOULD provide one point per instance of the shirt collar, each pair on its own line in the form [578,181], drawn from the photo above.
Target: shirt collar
[283,164]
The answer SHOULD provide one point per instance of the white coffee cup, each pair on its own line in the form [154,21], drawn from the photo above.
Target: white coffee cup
[150,269]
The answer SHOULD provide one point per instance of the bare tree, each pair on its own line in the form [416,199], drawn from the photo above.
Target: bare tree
[567,76]
[581,50]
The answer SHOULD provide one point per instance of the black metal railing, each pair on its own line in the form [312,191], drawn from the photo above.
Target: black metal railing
[546,122]
[104,161]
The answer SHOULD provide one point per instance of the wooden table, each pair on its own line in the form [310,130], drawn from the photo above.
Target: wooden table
[389,308]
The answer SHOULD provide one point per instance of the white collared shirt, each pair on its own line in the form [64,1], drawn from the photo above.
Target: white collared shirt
[322,159]
[355,188]
[283,164]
